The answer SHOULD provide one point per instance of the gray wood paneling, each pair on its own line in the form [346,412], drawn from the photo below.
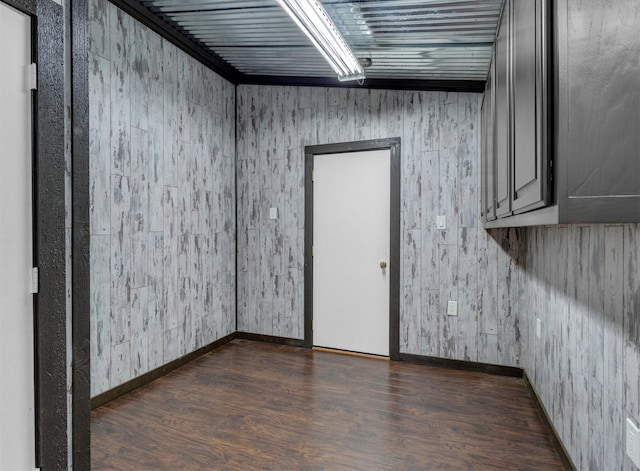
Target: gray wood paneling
[582,282]
[440,156]
[631,321]
[162,172]
[99,88]
[100,311]
[507,297]
[468,295]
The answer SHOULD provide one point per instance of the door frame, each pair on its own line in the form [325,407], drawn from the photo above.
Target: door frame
[49,254]
[393,145]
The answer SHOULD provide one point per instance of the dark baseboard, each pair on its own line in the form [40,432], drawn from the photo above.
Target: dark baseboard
[548,424]
[135,383]
[270,339]
[462,365]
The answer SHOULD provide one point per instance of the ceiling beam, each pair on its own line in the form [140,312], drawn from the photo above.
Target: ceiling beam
[468,86]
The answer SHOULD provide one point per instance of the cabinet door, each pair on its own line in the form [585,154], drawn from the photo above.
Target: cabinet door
[502,124]
[528,105]
[488,189]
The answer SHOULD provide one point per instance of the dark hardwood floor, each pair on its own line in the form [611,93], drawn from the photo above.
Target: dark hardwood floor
[259,406]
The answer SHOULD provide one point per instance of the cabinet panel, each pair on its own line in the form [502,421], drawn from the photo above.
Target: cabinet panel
[524,93]
[488,193]
[502,126]
[528,91]
[603,64]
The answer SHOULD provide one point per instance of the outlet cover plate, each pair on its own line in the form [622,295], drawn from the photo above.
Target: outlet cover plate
[633,442]
[452,308]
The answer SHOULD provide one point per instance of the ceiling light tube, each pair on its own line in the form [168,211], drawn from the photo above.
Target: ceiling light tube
[313,20]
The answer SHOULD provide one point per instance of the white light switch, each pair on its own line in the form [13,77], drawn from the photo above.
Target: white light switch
[452,308]
[273,213]
[633,442]
[441,222]
[538,328]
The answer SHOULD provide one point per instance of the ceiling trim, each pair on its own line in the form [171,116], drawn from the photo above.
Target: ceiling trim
[465,86]
[178,38]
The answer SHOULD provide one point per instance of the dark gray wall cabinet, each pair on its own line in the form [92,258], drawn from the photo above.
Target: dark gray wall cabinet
[598,110]
[502,134]
[529,104]
[585,55]
[516,105]
[488,128]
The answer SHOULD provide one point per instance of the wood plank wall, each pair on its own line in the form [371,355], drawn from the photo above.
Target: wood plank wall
[440,175]
[162,221]
[583,283]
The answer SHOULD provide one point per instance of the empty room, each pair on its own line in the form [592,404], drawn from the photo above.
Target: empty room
[195,277]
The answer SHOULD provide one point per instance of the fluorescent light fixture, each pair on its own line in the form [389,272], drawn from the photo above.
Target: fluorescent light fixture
[313,19]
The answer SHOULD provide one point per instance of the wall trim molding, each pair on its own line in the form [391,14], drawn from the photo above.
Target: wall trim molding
[270,339]
[148,377]
[461,86]
[548,425]
[50,238]
[80,240]
[478,367]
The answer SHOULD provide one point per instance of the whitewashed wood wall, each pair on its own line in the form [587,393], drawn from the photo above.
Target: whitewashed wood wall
[583,283]
[162,214]
[440,176]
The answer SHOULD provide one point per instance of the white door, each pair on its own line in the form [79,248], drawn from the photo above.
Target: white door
[351,231]
[17,429]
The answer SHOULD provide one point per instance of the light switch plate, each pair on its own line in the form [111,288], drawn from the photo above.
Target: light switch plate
[633,442]
[273,213]
[452,308]
[441,222]
[538,328]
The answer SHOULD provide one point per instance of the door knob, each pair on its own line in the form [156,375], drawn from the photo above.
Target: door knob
[383,264]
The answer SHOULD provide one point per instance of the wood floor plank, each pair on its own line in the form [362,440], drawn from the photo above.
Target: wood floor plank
[259,406]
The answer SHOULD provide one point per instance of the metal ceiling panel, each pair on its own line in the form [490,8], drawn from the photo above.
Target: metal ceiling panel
[405,39]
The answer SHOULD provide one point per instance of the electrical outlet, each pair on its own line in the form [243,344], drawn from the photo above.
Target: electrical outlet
[538,328]
[633,442]
[452,308]
[273,213]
